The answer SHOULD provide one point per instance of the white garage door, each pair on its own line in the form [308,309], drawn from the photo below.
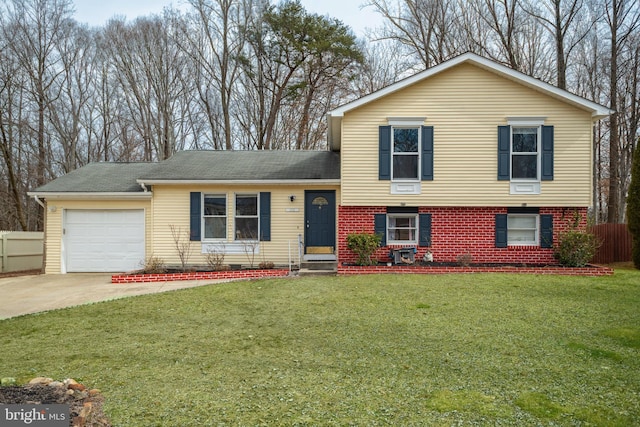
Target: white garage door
[103,240]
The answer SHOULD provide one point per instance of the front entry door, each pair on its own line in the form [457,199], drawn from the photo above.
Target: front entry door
[320,222]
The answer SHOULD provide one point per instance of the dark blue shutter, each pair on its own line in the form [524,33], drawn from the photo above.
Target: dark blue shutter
[380,227]
[546,231]
[427,153]
[547,153]
[265,216]
[425,230]
[504,152]
[195,223]
[384,153]
[501,230]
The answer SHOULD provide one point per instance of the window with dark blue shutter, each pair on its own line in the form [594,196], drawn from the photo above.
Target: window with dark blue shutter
[504,153]
[547,153]
[425,230]
[427,153]
[546,231]
[384,153]
[380,227]
[265,216]
[195,216]
[501,230]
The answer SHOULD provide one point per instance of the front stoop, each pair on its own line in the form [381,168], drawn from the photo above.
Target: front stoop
[318,268]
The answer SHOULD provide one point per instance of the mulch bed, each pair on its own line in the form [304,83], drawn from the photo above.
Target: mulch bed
[85,411]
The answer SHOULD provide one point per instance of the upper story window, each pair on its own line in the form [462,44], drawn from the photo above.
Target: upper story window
[214,216]
[525,153]
[406,153]
[246,217]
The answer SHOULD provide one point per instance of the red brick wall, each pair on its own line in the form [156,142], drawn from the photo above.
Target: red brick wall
[457,231]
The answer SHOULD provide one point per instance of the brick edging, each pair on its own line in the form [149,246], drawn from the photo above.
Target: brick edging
[198,275]
[591,270]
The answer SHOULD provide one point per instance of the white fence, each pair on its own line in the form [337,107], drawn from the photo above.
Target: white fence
[21,250]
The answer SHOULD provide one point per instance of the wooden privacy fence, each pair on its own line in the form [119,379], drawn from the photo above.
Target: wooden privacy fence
[616,243]
[21,250]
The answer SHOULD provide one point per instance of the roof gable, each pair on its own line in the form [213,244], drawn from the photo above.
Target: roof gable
[334,117]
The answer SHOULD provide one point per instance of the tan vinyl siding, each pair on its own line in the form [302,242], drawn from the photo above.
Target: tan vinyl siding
[54,233]
[465,105]
[171,206]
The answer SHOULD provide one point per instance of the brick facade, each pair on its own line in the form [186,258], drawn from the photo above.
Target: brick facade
[457,231]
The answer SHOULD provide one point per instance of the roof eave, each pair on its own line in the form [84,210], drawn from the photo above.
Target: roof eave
[80,195]
[264,182]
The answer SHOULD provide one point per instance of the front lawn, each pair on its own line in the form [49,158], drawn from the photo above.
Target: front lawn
[359,350]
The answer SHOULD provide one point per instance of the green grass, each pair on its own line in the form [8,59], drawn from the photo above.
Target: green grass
[366,350]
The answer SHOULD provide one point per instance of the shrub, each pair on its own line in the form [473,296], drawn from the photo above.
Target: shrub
[575,248]
[154,265]
[215,258]
[266,265]
[363,245]
[465,260]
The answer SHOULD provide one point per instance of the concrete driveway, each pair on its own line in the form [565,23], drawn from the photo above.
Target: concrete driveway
[33,294]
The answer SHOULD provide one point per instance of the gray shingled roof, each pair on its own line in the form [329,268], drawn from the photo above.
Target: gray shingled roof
[246,166]
[199,166]
[99,178]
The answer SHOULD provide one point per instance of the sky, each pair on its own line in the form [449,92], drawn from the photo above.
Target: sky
[98,12]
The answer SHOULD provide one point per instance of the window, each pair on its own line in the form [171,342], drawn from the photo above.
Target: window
[406,154]
[525,154]
[524,226]
[215,216]
[403,226]
[246,217]
[208,217]
[402,229]
[522,229]
[525,151]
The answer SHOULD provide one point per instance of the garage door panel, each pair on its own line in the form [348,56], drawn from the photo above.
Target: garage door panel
[104,240]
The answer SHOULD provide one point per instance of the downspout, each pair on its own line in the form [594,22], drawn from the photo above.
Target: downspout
[144,187]
[44,233]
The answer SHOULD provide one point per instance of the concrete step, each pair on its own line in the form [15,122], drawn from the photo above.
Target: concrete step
[307,272]
[319,265]
[318,268]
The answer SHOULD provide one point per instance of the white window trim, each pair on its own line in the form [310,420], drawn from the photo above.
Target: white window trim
[526,121]
[406,121]
[403,242]
[525,185]
[418,153]
[235,216]
[203,216]
[535,242]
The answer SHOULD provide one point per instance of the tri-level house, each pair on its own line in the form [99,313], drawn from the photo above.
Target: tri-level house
[466,158]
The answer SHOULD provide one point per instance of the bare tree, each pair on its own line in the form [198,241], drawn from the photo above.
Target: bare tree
[425,27]
[561,19]
[622,18]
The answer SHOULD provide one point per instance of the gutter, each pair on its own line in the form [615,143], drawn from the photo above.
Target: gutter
[90,195]
[239,182]
[37,199]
